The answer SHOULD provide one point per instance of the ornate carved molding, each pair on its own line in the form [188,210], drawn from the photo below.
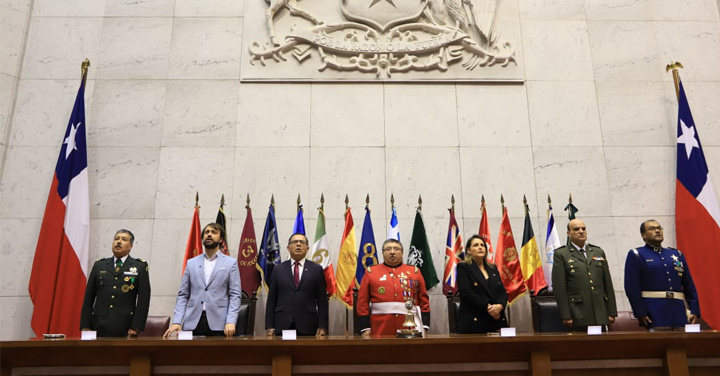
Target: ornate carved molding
[443,40]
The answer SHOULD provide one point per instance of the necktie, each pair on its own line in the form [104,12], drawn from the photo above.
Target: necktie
[118,264]
[296,273]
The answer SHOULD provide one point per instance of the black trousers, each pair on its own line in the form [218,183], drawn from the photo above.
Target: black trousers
[203,328]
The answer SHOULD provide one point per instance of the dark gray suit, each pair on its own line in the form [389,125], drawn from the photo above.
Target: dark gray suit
[305,305]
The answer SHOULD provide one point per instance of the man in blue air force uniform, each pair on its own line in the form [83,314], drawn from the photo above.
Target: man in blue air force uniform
[658,283]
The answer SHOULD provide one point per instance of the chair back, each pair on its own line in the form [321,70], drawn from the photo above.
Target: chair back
[246,317]
[545,313]
[155,326]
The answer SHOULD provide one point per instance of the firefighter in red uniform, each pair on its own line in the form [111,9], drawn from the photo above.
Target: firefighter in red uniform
[384,290]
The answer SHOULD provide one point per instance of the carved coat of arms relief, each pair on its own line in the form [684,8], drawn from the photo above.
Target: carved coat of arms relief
[444,40]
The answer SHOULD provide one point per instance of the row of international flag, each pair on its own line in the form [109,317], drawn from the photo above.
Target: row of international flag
[256,261]
[60,264]
[520,271]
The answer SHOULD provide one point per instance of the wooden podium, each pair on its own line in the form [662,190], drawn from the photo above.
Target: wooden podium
[668,353]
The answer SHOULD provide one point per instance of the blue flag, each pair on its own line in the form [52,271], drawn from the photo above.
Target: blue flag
[367,254]
[269,254]
[394,231]
[299,225]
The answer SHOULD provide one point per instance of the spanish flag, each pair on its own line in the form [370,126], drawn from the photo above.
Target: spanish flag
[347,262]
[530,261]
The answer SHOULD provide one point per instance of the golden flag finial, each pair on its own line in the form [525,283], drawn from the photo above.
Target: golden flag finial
[674,66]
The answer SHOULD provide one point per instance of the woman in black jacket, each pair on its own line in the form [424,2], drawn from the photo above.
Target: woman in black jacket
[482,295]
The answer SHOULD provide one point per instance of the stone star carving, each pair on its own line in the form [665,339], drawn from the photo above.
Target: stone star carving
[687,138]
[70,140]
[377,1]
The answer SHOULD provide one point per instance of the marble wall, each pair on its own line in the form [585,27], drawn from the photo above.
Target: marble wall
[168,117]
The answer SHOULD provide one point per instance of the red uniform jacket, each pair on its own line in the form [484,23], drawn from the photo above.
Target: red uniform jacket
[383,283]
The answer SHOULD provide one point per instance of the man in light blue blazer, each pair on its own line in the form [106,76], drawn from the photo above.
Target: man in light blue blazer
[208,302]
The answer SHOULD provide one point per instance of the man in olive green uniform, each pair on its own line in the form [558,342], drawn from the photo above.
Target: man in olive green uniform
[117,297]
[581,281]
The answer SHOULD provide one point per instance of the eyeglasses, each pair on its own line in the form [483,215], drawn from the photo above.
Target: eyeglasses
[388,249]
[298,241]
[654,228]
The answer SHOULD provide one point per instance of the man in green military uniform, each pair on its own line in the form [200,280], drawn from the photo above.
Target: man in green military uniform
[581,281]
[117,297]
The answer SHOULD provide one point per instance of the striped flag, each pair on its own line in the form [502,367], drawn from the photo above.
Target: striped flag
[59,270]
[321,254]
[347,262]
[697,216]
[453,254]
[530,262]
[222,221]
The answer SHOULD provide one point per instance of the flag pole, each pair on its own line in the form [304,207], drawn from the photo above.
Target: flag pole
[247,201]
[674,66]
[197,199]
[322,203]
[525,204]
[367,202]
[502,204]
[347,313]
[392,201]
[452,203]
[84,70]
[298,202]
[419,208]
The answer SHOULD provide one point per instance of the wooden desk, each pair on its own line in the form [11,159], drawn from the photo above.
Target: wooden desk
[673,353]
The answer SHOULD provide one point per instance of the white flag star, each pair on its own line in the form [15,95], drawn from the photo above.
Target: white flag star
[70,140]
[688,138]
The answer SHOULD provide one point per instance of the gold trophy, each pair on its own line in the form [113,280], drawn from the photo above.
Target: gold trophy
[409,328]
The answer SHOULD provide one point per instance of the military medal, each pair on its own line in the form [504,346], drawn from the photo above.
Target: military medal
[133,270]
[127,279]
[381,290]
[125,288]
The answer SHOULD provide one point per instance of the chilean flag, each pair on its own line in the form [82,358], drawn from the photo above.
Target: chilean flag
[59,271]
[697,217]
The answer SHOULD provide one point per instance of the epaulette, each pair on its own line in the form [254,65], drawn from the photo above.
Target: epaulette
[678,251]
[635,251]
[417,270]
[141,260]
[593,245]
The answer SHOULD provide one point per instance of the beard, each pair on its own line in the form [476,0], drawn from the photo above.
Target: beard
[210,244]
